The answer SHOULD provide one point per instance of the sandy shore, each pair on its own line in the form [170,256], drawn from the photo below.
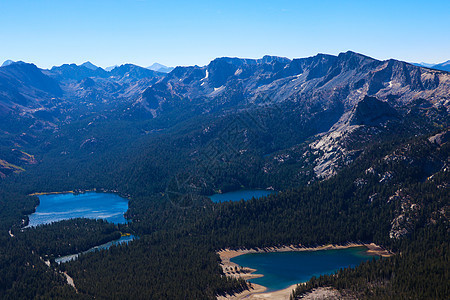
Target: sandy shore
[257,291]
[50,193]
[227,254]
[70,281]
[81,191]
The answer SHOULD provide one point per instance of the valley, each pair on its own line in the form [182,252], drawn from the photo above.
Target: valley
[356,149]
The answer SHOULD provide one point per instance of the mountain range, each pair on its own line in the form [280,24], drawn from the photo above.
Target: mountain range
[356,148]
[325,91]
[89,65]
[329,97]
[445,66]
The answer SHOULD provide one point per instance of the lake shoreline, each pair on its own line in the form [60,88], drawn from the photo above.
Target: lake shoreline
[27,221]
[258,291]
[82,191]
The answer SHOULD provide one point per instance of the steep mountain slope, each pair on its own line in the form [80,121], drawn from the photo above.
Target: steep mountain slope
[319,106]
[34,103]
[329,94]
[24,89]
[270,122]
[357,147]
[74,72]
[346,78]
[123,83]
[445,66]
[29,92]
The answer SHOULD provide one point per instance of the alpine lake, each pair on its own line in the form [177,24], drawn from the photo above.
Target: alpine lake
[279,269]
[92,205]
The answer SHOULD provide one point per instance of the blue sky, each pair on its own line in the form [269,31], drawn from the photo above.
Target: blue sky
[109,32]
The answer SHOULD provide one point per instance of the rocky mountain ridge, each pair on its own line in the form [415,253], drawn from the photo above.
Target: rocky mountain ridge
[345,78]
[24,88]
[355,92]
[324,100]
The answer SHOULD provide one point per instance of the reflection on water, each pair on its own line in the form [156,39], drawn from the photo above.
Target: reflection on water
[283,269]
[92,205]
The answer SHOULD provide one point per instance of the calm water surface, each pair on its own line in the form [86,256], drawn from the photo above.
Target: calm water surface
[238,195]
[283,269]
[92,205]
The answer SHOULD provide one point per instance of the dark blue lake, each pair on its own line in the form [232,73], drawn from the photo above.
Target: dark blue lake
[238,195]
[283,269]
[92,205]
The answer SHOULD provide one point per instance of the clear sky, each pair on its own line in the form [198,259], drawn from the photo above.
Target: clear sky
[109,32]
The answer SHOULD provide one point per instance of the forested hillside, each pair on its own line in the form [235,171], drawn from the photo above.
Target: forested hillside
[357,150]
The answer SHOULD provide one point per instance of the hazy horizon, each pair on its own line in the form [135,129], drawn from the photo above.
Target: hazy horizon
[50,33]
[146,66]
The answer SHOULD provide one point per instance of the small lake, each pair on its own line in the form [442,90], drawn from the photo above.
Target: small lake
[283,269]
[124,239]
[239,195]
[92,205]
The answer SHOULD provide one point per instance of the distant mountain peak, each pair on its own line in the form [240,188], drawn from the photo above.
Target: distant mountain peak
[160,68]
[424,64]
[133,71]
[7,63]
[110,68]
[156,65]
[89,65]
[445,66]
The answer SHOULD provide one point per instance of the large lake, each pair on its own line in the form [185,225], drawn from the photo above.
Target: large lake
[283,269]
[92,205]
[238,195]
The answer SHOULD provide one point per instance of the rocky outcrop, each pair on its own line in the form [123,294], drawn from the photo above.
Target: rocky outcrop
[372,112]
[402,224]
[440,138]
